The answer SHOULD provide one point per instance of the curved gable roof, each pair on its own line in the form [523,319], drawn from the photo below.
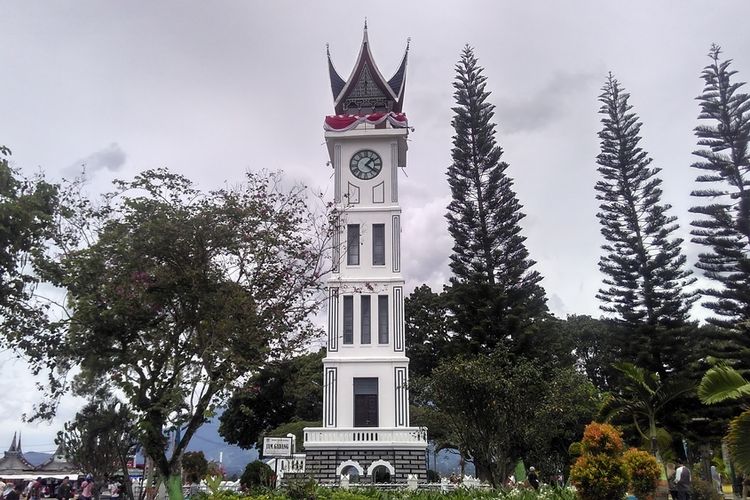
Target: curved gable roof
[366,87]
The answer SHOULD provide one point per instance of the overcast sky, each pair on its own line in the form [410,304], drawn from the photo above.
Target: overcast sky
[211,89]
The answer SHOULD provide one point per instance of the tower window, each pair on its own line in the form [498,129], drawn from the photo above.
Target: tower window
[352,244]
[378,244]
[348,319]
[365,319]
[365,402]
[382,319]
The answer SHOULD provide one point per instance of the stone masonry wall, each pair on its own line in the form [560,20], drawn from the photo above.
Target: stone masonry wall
[322,464]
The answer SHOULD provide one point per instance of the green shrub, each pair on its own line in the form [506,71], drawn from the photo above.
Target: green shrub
[302,489]
[601,438]
[257,474]
[600,471]
[644,472]
[703,490]
[308,491]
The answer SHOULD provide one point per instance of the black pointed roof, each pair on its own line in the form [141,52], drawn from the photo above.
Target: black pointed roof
[13,461]
[58,462]
[366,90]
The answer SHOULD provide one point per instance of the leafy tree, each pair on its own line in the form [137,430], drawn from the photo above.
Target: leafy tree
[569,401]
[484,401]
[643,263]
[497,408]
[723,222]
[644,397]
[182,293]
[28,211]
[723,383]
[283,391]
[194,466]
[595,347]
[100,438]
[494,293]
[427,339]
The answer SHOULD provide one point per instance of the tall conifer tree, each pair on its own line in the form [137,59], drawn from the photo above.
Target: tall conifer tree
[644,268]
[723,224]
[494,291]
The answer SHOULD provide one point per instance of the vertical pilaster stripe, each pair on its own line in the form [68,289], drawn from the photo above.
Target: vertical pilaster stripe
[337,170]
[333,319]
[396,243]
[394,172]
[336,250]
[329,397]
[402,401]
[398,319]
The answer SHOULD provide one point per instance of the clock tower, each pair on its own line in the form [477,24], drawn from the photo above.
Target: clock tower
[366,433]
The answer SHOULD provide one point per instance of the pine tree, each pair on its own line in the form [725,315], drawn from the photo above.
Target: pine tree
[723,224]
[494,291]
[644,268]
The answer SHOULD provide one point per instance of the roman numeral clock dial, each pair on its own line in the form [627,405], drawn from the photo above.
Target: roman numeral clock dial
[365,164]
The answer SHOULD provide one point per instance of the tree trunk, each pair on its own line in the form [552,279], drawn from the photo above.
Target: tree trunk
[173,483]
[127,484]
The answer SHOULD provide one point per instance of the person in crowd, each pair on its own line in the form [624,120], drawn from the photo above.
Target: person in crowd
[35,489]
[87,488]
[114,490]
[15,492]
[533,478]
[65,490]
[682,480]
[716,478]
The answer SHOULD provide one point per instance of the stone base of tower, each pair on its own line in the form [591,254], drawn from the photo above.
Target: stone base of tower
[326,466]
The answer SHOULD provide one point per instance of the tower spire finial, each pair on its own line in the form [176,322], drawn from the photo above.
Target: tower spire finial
[364,36]
[13,443]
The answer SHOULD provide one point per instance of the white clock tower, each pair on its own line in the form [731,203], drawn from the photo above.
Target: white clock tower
[366,432]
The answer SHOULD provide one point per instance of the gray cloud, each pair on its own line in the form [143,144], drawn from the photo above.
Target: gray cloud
[545,106]
[110,158]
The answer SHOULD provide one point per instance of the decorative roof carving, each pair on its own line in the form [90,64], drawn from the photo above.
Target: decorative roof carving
[366,90]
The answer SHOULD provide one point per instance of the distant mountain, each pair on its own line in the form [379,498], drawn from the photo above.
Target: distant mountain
[233,458]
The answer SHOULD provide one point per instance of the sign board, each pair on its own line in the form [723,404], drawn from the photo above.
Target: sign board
[277,447]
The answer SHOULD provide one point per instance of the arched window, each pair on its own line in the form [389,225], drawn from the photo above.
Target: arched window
[352,472]
[381,474]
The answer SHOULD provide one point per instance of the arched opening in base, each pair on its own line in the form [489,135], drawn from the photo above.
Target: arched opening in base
[352,472]
[381,475]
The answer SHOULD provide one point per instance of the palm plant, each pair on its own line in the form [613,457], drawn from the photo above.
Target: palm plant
[723,383]
[643,397]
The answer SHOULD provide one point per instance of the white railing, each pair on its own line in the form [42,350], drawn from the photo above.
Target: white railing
[321,437]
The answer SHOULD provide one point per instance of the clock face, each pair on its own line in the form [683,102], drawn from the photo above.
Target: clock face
[365,164]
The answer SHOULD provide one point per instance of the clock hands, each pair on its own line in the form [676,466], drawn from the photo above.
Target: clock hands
[366,164]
